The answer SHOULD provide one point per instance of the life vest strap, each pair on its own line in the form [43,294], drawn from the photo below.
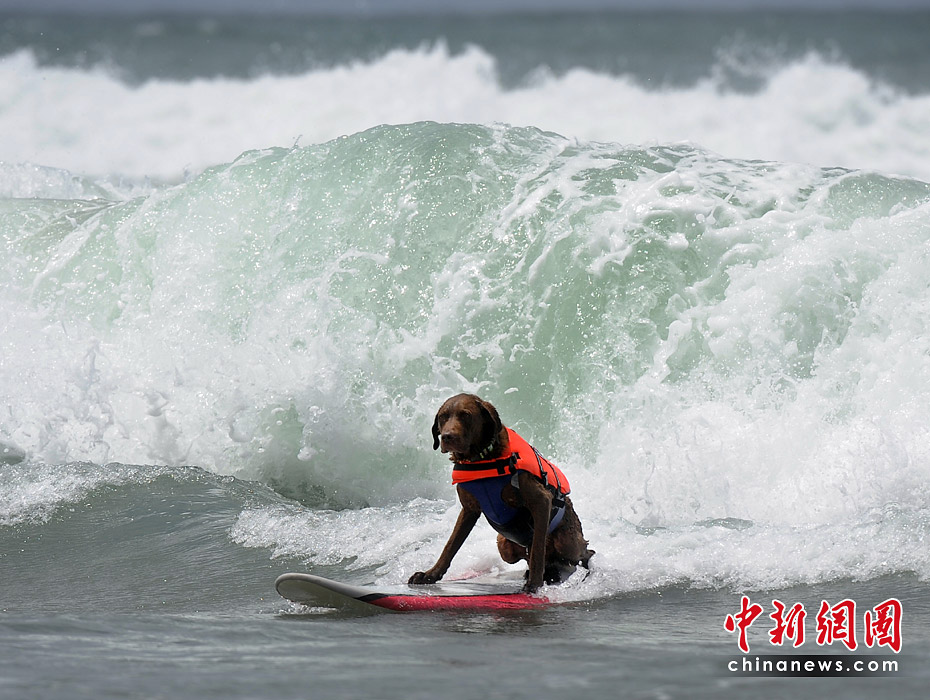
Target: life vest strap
[522,457]
[469,471]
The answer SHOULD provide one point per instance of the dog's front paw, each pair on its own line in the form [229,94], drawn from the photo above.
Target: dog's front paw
[421,577]
[531,588]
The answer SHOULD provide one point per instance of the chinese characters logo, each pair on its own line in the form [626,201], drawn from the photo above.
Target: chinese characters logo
[835,624]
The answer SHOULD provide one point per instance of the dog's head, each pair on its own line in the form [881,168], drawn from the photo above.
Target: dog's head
[466,426]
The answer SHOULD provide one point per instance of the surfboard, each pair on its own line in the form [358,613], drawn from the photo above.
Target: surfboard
[469,594]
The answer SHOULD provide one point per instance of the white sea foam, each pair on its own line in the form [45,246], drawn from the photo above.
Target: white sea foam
[89,122]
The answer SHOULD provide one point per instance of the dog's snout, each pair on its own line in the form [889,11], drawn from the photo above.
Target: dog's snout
[449,440]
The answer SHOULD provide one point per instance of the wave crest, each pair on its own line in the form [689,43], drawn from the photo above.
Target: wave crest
[810,109]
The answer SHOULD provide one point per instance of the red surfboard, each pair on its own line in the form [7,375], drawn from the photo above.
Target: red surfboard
[469,594]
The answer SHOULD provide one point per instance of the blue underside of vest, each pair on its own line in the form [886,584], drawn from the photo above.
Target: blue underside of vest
[513,523]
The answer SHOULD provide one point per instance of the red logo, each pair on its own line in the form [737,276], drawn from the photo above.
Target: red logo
[788,626]
[742,621]
[884,627]
[835,624]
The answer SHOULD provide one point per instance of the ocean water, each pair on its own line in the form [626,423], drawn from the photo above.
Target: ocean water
[244,261]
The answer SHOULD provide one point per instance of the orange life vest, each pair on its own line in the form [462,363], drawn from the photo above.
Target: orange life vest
[523,457]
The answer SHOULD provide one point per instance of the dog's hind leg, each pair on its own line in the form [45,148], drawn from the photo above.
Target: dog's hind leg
[511,552]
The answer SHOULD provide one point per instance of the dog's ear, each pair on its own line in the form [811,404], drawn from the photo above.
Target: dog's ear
[436,432]
[491,423]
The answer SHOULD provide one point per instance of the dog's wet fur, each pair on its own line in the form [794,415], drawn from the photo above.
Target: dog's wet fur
[469,429]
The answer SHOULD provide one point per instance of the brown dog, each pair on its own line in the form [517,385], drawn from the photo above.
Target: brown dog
[497,473]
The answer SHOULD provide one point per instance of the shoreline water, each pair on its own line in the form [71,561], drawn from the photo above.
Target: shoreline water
[647,645]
